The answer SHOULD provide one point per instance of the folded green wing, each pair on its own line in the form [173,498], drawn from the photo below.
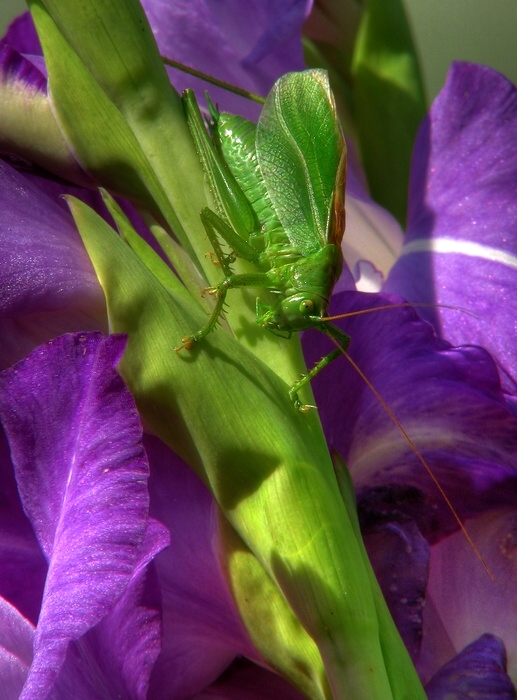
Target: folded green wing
[302,156]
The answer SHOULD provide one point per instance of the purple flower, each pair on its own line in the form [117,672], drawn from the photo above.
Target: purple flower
[81,555]
[456,403]
[48,282]
[82,605]
[265,43]
[80,548]
[462,227]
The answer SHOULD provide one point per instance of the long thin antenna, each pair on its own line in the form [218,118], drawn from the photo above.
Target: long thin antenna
[417,452]
[374,309]
[213,81]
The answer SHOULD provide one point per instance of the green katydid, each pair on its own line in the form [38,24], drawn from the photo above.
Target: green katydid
[278,188]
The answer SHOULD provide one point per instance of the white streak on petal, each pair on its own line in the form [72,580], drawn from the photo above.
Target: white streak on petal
[451,245]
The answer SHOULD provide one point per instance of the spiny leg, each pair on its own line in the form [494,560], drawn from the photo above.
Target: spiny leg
[214,225]
[340,337]
[223,259]
[188,341]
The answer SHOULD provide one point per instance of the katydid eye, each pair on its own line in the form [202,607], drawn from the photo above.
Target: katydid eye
[306,305]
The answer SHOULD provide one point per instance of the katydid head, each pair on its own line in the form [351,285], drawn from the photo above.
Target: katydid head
[295,313]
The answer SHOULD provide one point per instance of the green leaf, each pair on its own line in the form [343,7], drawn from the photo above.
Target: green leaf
[29,129]
[389,101]
[274,629]
[267,465]
[401,675]
[178,258]
[117,110]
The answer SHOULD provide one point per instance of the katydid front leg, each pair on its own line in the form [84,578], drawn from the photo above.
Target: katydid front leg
[343,340]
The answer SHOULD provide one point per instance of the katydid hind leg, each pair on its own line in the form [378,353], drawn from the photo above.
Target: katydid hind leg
[230,200]
[188,341]
[258,279]
[212,223]
[216,228]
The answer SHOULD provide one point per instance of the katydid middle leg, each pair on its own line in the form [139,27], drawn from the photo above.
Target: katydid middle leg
[215,226]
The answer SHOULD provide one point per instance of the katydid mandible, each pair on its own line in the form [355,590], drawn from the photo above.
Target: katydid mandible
[278,189]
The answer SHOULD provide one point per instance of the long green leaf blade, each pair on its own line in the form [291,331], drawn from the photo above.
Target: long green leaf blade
[273,627]
[389,101]
[269,470]
[120,115]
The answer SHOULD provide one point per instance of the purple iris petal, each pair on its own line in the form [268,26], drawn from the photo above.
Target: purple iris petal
[130,636]
[400,558]
[22,35]
[371,243]
[202,629]
[16,637]
[81,470]
[119,653]
[21,46]
[245,681]
[468,605]
[476,672]
[31,139]
[448,400]
[24,568]
[461,248]
[265,43]
[47,281]
[20,71]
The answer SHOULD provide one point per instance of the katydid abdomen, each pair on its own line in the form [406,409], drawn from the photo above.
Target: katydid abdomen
[235,137]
